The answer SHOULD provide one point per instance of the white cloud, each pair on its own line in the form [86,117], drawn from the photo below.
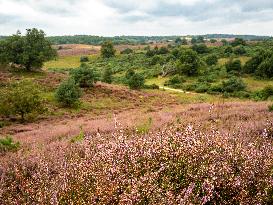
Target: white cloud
[134,17]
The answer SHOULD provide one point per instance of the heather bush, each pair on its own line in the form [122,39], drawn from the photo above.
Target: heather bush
[68,93]
[21,98]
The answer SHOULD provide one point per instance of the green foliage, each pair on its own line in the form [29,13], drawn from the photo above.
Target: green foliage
[84,59]
[252,65]
[200,48]
[153,87]
[107,49]
[213,40]
[239,50]
[189,63]
[145,127]
[7,145]
[270,108]
[233,84]
[234,65]
[238,42]
[21,98]
[84,76]
[127,51]
[107,76]
[263,94]
[78,138]
[265,69]
[228,50]
[211,60]
[68,93]
[136,81]
[29,51]
[175,81]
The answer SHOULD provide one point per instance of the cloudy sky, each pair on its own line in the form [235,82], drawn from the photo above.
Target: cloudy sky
[138,17]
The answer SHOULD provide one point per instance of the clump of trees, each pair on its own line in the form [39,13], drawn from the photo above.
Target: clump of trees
[29,51]
[107,49]
[21,99]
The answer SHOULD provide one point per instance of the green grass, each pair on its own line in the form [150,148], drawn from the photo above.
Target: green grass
[255,84]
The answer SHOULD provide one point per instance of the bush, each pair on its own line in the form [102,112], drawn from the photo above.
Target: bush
[265,69]
[7,144]
[233,84]
[107,76]
[107,49]
[202,87]
[200,49]
[270,108]
[189,63]
[136,81]
[234,65]
[68,93]
[21,98]
[263,94]
[127,51]
[84,59]
[84,76]
[175,81]
[211,60]
[162,50]
[239,50]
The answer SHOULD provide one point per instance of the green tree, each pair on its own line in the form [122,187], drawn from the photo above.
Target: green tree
[265,69]
[107,49]
[68,93]
[233,84]
[84,76]
[212,59]
[238,42]
[178,40]
[107,76]
[239,50]
[29,51]
[136,81]
[213,40]
[189,63]
[234,65]
[21,98]
[184,42]
[200,48]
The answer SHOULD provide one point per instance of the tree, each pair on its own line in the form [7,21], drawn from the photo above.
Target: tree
[107,49]
[184,42]
[239,50]
[21,98]
[200,48]
[189,63]
[84,76]
[233,84]
[212,59]
[29,51]
[238,42]
[213,40]
[265,69]
[178,41]
[228,50]
[224,42]
[68,93]
[234,65]
[136,81]
[107,76]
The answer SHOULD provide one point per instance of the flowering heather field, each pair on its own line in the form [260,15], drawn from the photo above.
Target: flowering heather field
[209,154]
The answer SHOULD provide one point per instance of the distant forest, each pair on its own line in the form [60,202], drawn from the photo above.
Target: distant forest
[97,40]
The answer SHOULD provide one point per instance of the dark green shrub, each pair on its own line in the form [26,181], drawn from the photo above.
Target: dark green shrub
[270,108]
[200,48]
[211,60]
[163,50]
[107,76]
[107,49]
[263,94]
[68,93]
[7,145]
[21,98]
[84,59]
[175,81]
[202,87]
[239,50]
[238,42]
[156,60]
[233,84]
[127,51]
[265,69]
[189,63]
[136,81]
[84,76]
[228,51]
[234,65]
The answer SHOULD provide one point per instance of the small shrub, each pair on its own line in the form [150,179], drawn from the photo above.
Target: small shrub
[127,51]
[107,76]
[233,84]
[84,76]
[211,60]
[136,82]
[202,87]
[234,65]
[263,94]
[84,59]
[7,144]
[270,108]
[68,93]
